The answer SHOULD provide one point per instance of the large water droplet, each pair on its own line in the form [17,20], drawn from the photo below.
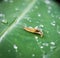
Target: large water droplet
[15,47]
[4,21]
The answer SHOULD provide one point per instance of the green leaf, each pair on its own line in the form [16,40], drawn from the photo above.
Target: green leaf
[15,42]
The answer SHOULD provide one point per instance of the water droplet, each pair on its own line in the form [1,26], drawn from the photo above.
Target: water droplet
[41,25]
[4,21]
[6,0]
[53,23]
[33,55]
[58,29]
[39,43]
[59,17]
[30,27]
[36,7]
[36,37]
[47,31]
[49,7]
[9,50]
[49,11]
[52,48]
[52,15]
[52,43]
[15,47]
[2,15]
[47,2]
[28,18]
[36,27]
[45,44]
[39,14]
[16,9]
[11,1]
[41,47]
[45,55]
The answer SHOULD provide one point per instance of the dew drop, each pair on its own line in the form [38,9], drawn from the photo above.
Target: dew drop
[45,44]
[33,55]
[53,23]
[39,43]
[52,43]
[11,1]
[9,50]
[36,37]
[49,11]
[39,15]
[6,0]
[2,15]
[41,47]
[59,17]
[30,27]
[58,29]
[15,47]
[49,7]
[47,31]
[16,9]
[52,15]
[36,7]
[41,25]
[47,2]
[4,21]
[52,48]
[36,27]
[45,56]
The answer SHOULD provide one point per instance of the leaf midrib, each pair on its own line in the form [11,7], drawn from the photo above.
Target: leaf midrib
[20,17]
